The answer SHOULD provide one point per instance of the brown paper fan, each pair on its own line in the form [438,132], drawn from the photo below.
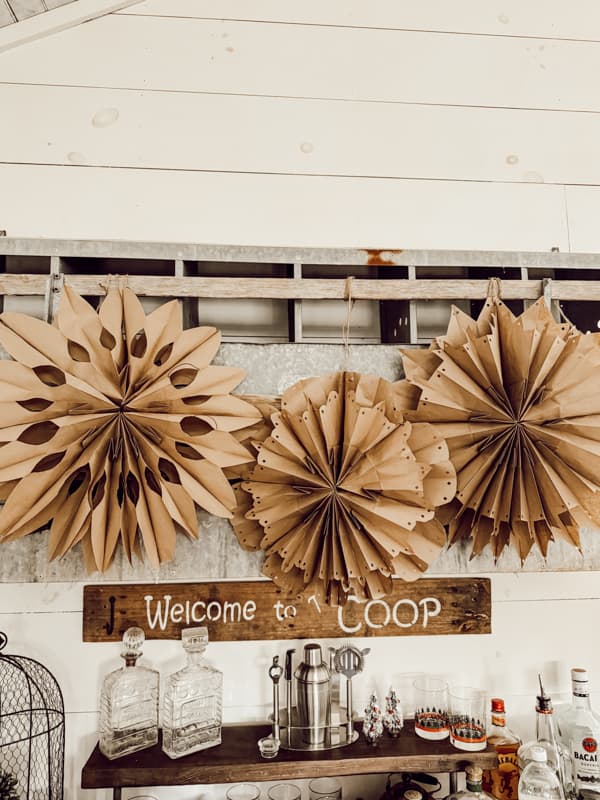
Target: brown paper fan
[518,401]
[114,424]
[344,492]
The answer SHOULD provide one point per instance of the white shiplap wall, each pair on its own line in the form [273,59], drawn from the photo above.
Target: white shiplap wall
[327,123]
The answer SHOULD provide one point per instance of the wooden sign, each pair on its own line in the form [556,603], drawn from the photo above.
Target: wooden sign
[238,610]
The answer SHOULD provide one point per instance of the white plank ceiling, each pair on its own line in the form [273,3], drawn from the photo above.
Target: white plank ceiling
[12,11]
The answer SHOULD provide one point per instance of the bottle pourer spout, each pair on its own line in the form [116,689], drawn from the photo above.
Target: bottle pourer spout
[544,701]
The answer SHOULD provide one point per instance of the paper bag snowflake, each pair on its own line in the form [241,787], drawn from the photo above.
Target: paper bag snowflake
[344,492]
[518,401]
[114,425]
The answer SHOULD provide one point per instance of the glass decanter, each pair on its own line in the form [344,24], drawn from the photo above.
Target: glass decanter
[193,701]
[129,702]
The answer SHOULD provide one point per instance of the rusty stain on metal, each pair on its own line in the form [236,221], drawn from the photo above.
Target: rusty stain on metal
[381,258]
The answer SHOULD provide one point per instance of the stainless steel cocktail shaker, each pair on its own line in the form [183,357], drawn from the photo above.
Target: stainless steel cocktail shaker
[313,694]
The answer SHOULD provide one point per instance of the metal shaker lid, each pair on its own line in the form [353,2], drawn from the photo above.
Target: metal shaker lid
[312,669]
[313,655]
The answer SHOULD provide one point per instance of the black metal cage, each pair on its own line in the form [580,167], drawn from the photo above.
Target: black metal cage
[32,727]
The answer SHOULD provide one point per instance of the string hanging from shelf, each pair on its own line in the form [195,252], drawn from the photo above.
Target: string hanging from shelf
[344,492]
[517,398]
[114,426]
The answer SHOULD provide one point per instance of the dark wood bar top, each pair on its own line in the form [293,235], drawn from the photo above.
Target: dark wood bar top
[237,759]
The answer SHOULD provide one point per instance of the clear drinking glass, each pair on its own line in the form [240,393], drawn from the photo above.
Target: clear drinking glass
[284,791]
[431,708]
[467,718]
[243,791]
[404,683]
[325,789]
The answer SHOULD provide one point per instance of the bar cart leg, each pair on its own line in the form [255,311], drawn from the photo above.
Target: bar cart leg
[453,782]
[117,793]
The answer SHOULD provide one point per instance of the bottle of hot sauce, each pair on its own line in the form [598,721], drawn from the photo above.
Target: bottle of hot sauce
[503,781]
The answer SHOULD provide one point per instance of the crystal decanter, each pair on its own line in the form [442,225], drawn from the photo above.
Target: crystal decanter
[193,701]
[129,702]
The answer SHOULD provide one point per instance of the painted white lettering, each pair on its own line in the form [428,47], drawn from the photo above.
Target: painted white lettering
[159,619]
[233,609]
[249,610]
[278,606]
[197,611]
[411,604]
[431,608]
[341,623]
[371,604]
[177,612]
[313,599]
[217,614]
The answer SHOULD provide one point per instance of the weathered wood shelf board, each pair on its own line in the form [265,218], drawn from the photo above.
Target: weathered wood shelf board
[238,759]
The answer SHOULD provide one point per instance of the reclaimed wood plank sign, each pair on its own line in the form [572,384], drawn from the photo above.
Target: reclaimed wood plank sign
[257,610]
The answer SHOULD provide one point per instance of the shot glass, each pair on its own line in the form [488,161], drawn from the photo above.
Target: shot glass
[325,789]
[467,718]
[268,746]
[243,791]
[431,708]
[284,791]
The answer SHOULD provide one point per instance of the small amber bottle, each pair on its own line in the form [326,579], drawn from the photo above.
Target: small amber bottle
[503,781]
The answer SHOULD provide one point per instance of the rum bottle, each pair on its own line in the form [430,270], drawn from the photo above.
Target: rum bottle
[129,702]
[579,730]
[193,701]
[503,781]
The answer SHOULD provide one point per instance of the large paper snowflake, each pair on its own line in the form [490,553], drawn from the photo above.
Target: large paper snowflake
[344,492]
[114,424]
[518,401]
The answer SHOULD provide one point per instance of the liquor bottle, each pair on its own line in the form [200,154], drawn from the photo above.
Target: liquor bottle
[129,702]
[579,730]
[474,790]
[502,782]
[538,781]
[546,737]
[193,701]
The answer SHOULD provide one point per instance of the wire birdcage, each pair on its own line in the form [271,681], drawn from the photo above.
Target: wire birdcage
[32,727]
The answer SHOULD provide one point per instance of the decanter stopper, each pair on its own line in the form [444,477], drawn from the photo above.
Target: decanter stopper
[194,640]
[131,650]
